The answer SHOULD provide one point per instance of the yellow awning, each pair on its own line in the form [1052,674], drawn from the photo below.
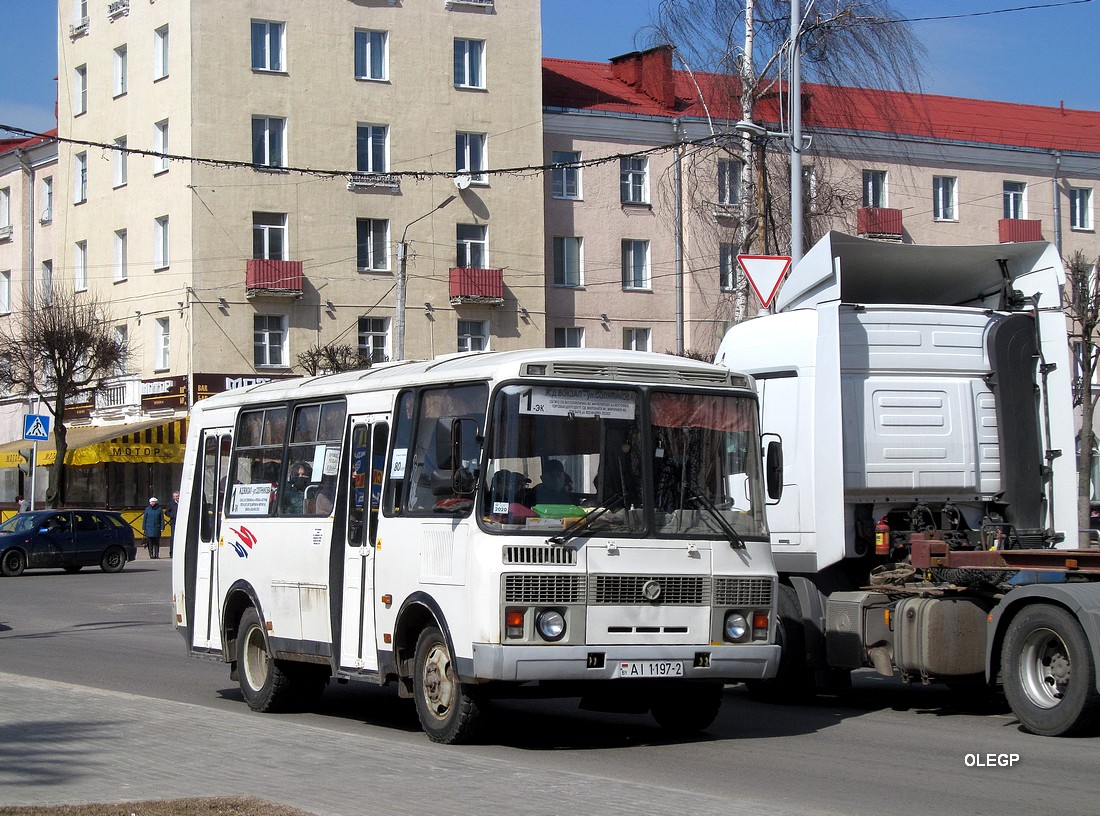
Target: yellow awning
[151,441]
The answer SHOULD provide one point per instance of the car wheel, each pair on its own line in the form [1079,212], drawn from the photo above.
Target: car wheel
[114,559]
[12,563]
[72,569]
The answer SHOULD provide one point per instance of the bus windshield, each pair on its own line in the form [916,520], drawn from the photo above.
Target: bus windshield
[629,462]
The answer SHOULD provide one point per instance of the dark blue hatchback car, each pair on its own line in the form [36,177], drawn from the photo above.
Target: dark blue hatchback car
[69,539]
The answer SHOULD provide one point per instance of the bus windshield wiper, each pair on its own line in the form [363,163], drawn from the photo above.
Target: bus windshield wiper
[586,520]
[704,502]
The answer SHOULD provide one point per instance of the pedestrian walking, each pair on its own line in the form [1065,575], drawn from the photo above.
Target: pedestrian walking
[21,504]
[170,514]
[152,524]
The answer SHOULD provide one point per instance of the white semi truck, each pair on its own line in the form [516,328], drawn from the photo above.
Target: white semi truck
[919,432]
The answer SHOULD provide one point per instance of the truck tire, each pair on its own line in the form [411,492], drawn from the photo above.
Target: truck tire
[1049,674]
[794,681]
[448,709]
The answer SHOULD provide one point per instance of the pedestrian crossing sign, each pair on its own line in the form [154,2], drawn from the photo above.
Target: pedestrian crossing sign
[36,427]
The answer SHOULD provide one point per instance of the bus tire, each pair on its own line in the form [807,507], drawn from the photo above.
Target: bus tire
[448,710]
[1049,674]
[265,684]
[687,708]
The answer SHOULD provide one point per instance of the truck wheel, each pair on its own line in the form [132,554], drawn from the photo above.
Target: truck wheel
[794,681]
[264,682]
[687,708]
[448,710]
[1048,673]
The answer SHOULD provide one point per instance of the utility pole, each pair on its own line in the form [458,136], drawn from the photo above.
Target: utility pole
[402,280]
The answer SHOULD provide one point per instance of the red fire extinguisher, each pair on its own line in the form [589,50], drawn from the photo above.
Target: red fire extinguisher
[882,537]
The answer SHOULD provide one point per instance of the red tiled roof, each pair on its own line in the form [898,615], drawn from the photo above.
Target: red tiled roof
[13,144]
[594,86]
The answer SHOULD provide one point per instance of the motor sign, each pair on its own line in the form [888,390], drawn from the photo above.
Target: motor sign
[36,427]
[764,273]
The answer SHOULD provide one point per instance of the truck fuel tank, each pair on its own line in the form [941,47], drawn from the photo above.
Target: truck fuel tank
[940,637]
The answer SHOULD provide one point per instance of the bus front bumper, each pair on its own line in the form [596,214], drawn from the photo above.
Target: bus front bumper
[729,663]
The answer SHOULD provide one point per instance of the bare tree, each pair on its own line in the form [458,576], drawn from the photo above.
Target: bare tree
[62,348]
[332,358]
[1082,305]
[744,46]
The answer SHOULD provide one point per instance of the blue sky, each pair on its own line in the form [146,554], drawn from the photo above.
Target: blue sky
[1040,56]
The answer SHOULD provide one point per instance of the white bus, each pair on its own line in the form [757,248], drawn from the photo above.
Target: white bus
[562,522]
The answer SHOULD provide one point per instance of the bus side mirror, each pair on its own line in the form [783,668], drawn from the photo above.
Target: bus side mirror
[773,467]
[465,455]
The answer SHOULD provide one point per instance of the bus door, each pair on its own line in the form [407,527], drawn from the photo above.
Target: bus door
[216,444]
[358,649]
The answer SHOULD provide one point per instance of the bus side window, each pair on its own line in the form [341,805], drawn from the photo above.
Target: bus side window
[257,462]
[402,433]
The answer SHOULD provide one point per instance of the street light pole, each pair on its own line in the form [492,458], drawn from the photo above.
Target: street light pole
[402,281]
[796,135]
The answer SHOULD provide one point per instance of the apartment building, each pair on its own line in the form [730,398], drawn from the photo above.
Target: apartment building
[246,181]
[623,235]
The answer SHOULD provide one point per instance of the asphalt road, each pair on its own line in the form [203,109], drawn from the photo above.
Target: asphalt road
[880,748]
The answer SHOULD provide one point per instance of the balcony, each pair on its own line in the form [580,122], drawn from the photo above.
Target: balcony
[475,286]
[487,5]
[268,278]
[5,232]
[78,29]
[879,222]
[118,8]
[1016,230]
[119,397]
[366,181]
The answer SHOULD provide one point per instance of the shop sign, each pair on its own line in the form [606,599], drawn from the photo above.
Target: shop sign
[164,392]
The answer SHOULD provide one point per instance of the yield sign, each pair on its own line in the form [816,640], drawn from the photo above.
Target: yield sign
[765,273]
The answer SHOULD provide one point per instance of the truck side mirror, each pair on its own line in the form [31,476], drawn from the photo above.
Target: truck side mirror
[773,467]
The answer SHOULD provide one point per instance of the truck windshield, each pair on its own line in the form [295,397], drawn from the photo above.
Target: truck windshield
[634,462]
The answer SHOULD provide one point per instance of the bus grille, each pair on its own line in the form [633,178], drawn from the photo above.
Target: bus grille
[743,591]
[629,590]
[544,589]
[539,555]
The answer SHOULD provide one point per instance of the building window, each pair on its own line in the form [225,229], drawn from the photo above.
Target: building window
[372,236]
[635,264]
[470,155]
[727,267]
[80,266]
[5,210]
[120,71]
[269,141]
[80,178]
[80,90]
[121,259]
[473,335]
[160,53]
[473,247]
[636,339]
[80,10]
[160,243]
[567,261]
[569,337]
[729,183]
[945,198]
[119,157]
[162,344]
[122,339]
[469,64]
[160,145]
[1080,208]
[370,55]
[371,148]
[566,181]
[47,199]
[269,236]
[268,41]
[633,180]
[269,340]
[5,292]
[1015,199]
[47,282]
[374,339]
[874,188]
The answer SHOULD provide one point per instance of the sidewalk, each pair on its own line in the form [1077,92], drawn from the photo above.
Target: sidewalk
[66,744]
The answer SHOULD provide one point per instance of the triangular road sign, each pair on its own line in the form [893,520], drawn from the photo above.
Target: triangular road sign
[765,273]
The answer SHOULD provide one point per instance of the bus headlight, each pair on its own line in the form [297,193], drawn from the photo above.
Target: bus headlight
[736,626]
[550,624]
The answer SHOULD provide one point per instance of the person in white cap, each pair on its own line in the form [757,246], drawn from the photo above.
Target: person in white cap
[152,523]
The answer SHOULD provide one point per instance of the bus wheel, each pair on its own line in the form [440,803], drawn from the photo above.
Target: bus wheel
[264,683]
[1048,673]
[447,709]
[687,708]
